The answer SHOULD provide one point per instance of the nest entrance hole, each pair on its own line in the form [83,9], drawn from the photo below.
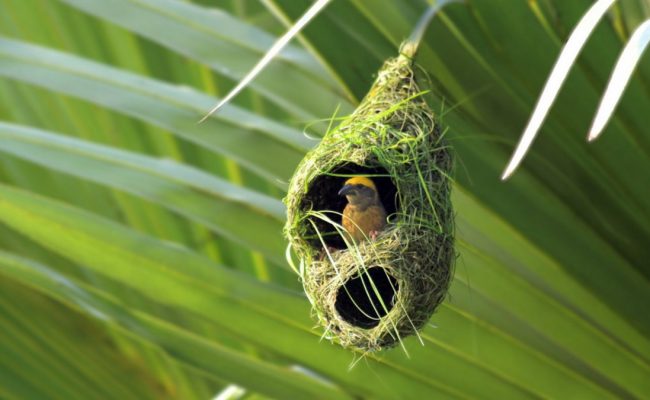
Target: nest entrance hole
[322,195]
[367,297]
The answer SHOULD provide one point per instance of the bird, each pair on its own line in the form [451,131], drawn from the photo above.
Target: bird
[364,216]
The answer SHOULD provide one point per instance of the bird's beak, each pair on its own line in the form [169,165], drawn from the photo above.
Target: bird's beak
[345,190]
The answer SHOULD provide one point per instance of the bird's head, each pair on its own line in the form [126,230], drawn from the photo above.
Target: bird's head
[360,191]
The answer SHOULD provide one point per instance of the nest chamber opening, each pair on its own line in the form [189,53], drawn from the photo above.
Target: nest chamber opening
[367,297]
[322,196]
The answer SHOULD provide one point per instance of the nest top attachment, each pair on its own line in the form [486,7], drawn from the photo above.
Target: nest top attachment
[370,295]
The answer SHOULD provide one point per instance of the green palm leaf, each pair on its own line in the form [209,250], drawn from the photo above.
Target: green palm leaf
[141,253]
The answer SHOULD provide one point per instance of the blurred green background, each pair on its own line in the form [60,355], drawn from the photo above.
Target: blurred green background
[141,254]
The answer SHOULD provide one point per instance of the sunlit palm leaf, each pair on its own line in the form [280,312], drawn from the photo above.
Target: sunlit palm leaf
[551,286]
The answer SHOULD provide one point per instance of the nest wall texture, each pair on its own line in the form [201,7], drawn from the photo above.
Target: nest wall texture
[371,295]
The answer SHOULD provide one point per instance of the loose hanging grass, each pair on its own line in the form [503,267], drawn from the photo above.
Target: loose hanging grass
[370,295]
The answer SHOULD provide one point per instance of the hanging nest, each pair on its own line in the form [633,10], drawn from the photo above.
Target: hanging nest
[371,295]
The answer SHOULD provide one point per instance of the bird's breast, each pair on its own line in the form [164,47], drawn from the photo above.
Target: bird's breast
[359,223]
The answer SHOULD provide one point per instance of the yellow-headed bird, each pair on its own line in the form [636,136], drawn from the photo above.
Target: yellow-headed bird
[364,216]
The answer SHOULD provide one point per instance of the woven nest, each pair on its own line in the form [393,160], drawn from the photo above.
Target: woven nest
[371,295]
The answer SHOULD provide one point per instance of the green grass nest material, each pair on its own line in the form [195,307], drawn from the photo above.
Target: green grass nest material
[372,295]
